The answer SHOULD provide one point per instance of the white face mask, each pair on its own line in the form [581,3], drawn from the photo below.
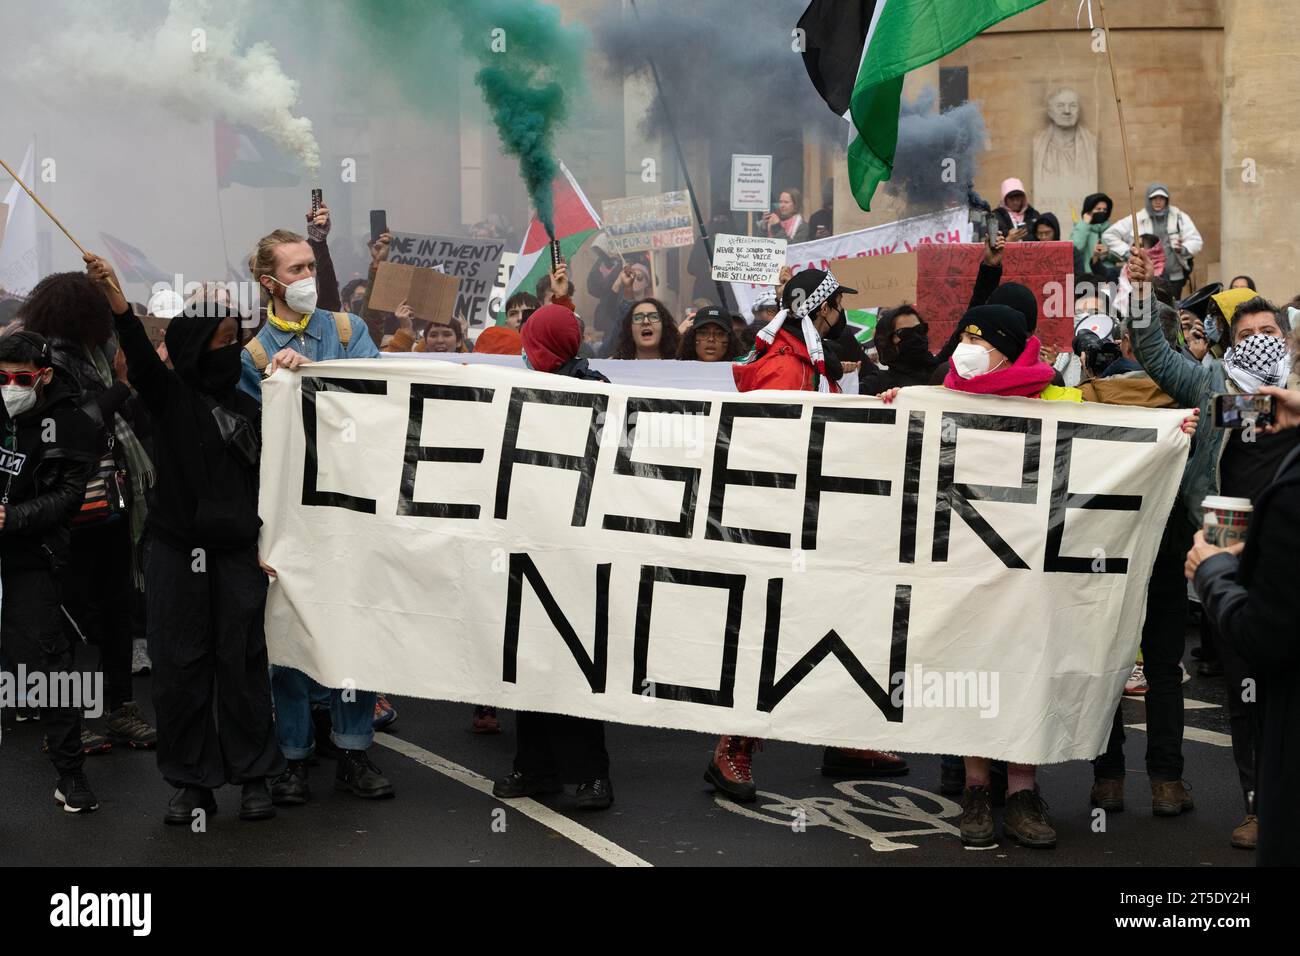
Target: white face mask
[300,296]
[18,399]
[970,360]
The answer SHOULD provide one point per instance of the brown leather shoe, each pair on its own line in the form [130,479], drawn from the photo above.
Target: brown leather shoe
[1170,798]
[1108,794]
[1247,835]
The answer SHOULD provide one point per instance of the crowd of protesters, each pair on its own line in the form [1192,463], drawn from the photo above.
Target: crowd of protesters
[135,529]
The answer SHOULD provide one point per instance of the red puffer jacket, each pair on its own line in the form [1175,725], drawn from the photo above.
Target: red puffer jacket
[785,365]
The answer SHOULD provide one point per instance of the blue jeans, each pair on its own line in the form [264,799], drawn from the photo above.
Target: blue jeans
[352,721]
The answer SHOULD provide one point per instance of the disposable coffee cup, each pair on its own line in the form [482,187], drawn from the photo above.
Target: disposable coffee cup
[1226,520]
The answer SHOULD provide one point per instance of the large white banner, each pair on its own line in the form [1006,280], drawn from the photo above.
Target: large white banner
[950,574]
[906,235]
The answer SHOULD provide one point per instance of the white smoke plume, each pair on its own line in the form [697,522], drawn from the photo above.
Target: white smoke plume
[194,64]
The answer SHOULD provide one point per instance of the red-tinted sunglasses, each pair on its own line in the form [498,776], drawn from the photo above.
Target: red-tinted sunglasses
[21,379]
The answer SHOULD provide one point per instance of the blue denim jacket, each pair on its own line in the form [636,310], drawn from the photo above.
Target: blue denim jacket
[319,342]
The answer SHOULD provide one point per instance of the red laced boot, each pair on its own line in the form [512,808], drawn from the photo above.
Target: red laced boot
[729,770]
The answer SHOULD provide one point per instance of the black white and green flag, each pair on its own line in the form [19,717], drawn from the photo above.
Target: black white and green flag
[858,51]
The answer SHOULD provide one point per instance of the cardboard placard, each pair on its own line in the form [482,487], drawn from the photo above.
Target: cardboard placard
[645,223]
[755,259]
[431,295]
[882,281]
[473,261]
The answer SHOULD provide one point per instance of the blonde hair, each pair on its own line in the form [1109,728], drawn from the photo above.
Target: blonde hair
[262,261]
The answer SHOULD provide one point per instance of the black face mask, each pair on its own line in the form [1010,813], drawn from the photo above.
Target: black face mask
[219,368]
[914,345]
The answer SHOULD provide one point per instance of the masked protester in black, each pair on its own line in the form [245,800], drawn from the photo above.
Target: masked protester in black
[204,583]
[49,446]
[905,352]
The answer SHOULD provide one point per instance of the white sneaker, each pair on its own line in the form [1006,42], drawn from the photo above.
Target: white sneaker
[1136,685]
[140,663]
[1186,676]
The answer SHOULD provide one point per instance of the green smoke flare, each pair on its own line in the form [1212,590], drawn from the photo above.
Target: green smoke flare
[531,68]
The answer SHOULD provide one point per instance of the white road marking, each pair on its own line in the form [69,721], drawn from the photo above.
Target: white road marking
[1195,733]
[589,840]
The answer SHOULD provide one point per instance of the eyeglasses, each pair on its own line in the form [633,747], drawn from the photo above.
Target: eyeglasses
[646,318]
[21,379]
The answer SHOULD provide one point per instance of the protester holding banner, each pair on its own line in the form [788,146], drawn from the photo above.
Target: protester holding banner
[71,313]
[646,331]
[1223,461]
[206,587]
[710,338]
[1251,596]
[297,333]
[50,446]
[555,749]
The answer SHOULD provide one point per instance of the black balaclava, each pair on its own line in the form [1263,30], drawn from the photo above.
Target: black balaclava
[188,337]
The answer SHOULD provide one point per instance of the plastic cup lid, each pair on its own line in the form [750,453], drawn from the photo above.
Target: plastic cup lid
[1219,503]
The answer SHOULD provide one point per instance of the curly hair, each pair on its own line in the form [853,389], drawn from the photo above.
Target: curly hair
[686,350]
[625,345]
[68,305]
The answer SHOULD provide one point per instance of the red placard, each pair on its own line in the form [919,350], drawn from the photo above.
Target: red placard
[945,278]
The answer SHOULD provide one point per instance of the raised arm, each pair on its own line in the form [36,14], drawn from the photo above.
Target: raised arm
[1184,382]
[144,368]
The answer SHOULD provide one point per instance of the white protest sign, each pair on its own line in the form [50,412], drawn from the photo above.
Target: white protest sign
[756,259]
[751,183]
[906,235]
[948,574]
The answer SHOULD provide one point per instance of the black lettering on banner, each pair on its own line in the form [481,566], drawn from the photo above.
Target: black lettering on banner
[772,691]
[311,384]
[416,453]
[819,483]
[911,488]
[1062,498]
[624,465]
[734,584]
[953,496]
[723,476]
[584,465]
[594,666]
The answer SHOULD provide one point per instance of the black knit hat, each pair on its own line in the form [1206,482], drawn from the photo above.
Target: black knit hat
[999,325]
[1020,298]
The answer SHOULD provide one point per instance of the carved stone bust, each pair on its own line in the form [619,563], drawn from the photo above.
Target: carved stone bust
[1065,158]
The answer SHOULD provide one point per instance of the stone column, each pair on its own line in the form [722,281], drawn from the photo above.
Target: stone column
[1261,166]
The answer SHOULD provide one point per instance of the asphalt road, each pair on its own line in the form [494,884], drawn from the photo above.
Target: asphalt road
[664,814]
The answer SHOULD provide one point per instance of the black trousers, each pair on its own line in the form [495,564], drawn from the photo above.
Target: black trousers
[1243,715]
[32,634]
[211,684]
[97,593]
[1163,639]
[573,748]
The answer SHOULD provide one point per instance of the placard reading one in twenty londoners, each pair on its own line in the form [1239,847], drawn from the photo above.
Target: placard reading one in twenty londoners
[756,259]
[472,261]
[646,223]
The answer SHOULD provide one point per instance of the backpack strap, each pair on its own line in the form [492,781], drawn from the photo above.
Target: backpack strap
[258,352]
[343,322]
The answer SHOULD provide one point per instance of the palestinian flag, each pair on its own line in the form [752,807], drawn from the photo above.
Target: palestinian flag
[858,51]
[131,264]
[248,157]
[575,223]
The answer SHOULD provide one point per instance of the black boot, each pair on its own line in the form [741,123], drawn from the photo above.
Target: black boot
[256,801]
[525,785]
[290,788]
[360,777]
[595,794]
[187,800]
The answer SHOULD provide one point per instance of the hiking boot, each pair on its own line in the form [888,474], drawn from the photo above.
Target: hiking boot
[360,777]
[595,794]
[729,769]
[1026,822]
[91,743]
[1170,798]
[73,793]
[839,762]
[1108,793]
[256,802]
[485,721]
[141,665]
[385,713]
[290,789]
[525,785]
[1247,834]
[127,725]
[977,817]
[181,809]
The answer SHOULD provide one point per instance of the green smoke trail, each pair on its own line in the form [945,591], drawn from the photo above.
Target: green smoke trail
[531,69]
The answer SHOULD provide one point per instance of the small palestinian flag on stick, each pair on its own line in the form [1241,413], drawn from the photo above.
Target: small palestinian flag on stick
[858,51]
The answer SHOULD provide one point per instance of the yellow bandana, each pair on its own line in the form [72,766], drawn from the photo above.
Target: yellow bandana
[295,328]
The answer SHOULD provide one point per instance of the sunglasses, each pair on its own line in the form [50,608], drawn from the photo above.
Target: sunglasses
[21,379]
[646,318]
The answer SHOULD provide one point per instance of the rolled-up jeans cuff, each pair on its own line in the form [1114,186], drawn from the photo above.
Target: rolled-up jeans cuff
[353,741]
[296,753]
